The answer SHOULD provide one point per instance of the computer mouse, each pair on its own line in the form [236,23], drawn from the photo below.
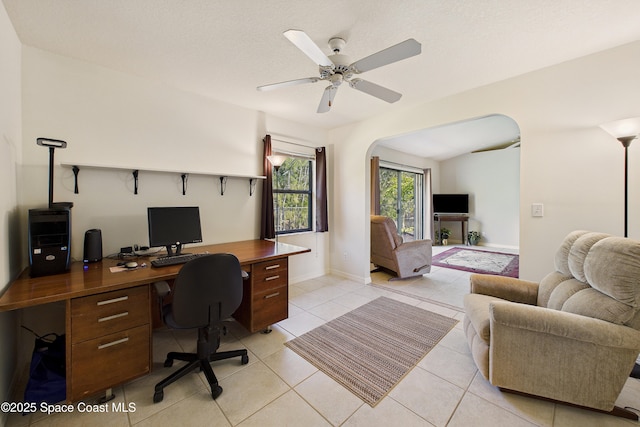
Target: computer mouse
[131,264]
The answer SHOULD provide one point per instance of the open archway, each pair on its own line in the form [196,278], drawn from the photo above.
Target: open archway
[478,157]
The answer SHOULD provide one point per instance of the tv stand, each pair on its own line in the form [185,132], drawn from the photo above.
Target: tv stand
[439,217]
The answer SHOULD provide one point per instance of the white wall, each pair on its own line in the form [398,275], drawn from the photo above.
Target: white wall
[492,180]
[567,162]
[113,119]
[10,158]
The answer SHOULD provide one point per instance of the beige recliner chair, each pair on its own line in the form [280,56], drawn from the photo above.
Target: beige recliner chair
[406,259]
[574,337]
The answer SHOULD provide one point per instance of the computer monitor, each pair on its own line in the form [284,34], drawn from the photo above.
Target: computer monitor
[173,227]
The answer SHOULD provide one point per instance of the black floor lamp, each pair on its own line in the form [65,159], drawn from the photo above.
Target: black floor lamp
[625,131]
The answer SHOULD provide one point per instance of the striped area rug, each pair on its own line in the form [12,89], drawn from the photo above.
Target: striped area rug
[370,349]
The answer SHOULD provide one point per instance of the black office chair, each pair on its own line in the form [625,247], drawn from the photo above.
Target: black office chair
[207,291]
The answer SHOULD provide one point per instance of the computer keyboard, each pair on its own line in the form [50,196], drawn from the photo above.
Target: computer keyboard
[174,260]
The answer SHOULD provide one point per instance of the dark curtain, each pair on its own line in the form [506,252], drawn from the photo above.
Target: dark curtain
[427,202]
[322,219]
[267,228]
[375,185]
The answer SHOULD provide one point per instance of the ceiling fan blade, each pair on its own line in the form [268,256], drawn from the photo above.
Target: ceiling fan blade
[510,144]
[288,83]
[327,99]
[308,47]
[398,52]
[375,90]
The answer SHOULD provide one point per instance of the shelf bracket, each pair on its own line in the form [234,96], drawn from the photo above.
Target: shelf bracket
[75,169]
[223,185]
[135,181]
[185,178]
[252,186]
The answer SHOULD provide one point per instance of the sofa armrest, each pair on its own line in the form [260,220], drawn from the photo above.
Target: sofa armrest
[508,288]
[559,355]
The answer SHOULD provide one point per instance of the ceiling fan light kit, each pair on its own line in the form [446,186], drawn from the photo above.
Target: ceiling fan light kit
[338,68]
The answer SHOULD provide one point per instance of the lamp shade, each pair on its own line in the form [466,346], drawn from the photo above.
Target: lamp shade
[623,128]
[277,160]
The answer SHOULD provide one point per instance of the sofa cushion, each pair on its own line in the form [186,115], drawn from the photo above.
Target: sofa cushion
[579,251]
[612,267]
[561,259]
[592,303]
[548,284]
[564,291]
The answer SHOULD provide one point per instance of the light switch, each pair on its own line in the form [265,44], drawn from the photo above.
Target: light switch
[537,210]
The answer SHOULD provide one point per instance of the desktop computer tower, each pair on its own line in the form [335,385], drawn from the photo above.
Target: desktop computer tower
[49,241]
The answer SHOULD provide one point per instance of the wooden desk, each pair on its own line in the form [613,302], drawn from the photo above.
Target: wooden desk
[108,317]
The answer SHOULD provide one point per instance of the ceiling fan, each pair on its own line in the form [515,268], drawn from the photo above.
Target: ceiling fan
[338,68]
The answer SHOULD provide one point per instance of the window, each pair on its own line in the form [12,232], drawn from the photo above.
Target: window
[401,199]
[292,196]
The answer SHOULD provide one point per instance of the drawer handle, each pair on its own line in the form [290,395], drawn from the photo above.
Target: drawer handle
[271,278]
[272,295]
[111,301]
[271,267]
[115,316]
[112,343]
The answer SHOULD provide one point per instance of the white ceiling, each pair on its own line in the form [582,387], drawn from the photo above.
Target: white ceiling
[454,139]
[224,49]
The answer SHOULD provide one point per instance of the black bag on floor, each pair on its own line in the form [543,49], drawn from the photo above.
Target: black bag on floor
[47,374]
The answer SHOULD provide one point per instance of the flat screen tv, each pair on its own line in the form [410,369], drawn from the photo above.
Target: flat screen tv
[173,227]
[451,203]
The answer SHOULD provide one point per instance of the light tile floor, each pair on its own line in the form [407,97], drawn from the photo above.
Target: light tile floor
[279,388]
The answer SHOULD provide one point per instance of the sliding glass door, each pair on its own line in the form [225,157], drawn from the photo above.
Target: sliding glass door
[401,199]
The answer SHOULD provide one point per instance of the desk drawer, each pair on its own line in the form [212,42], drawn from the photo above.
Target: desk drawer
[108,361]
[110,312]
[270,307]
[270,275]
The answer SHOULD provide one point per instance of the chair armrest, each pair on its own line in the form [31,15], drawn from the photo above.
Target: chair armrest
[560,355]
[162,288]
[507,288]
[414,245]
[413,258]
[563,324]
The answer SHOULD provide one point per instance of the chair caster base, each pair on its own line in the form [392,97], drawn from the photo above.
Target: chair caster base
[216,391]
[158,396]
[244,360]
[168,363]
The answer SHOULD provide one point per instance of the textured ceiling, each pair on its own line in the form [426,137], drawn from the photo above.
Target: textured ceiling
[225,49]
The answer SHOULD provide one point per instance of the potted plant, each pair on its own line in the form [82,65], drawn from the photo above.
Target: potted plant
[473,237]
[444,235]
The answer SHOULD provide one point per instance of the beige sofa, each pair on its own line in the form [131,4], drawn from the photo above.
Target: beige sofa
[406,259]
[574,337]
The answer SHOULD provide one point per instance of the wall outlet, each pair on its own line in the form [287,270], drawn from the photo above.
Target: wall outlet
[537,210]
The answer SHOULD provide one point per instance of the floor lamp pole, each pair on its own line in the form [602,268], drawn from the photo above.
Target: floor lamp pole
[626,186]
[626,141]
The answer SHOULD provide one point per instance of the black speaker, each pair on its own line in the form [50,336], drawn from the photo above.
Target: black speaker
[49,241]
[92,245]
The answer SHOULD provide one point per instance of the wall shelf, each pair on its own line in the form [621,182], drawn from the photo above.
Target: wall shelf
[76,167]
